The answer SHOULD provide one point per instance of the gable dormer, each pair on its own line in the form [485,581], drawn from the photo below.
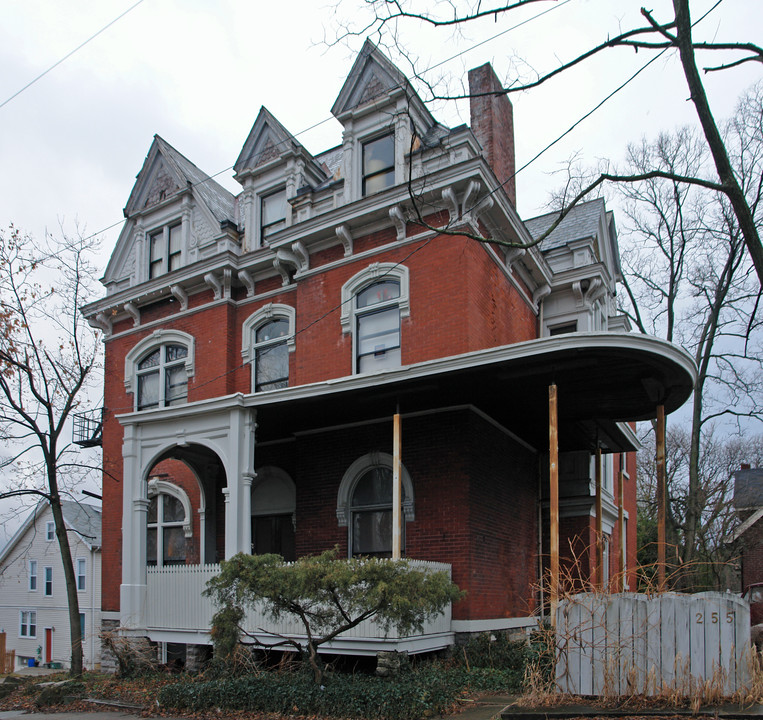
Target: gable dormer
[272,167]
[176,214]
[383,120]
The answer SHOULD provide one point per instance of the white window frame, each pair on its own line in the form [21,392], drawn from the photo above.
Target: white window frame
[387,133]
[262,197]
[50,531]
[375,272]
[47,581]
[158,487]
[350,480]
[25,623]
[271,311]
[153,341]
[33,576]
[164,231]
[81,573]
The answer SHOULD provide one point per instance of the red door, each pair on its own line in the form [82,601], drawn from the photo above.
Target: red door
[48,645]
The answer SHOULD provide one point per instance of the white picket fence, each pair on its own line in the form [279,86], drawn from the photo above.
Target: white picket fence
[174,603]
[636,644]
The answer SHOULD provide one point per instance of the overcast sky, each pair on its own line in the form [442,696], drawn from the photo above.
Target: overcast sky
[196,73]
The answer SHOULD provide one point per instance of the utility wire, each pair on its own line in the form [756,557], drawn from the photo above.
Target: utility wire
[67,56]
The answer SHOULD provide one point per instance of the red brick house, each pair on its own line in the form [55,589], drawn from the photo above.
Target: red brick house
[258,346]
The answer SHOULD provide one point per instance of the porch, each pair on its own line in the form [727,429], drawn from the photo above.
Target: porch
[176,611]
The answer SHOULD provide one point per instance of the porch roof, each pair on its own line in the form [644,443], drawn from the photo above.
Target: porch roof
[603,379]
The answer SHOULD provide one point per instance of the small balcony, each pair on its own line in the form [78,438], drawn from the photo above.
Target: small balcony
[88,428]
[176,611]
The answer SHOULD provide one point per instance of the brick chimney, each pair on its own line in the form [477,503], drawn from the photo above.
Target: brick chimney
[492,121]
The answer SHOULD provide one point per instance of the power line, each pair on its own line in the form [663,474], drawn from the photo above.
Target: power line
[67,56]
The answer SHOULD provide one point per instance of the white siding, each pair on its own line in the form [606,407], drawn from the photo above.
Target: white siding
[52,612]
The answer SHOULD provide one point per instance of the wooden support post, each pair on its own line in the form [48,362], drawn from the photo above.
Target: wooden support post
[661,496]
[553,467]
[621,565]
[397,494]
[599,584]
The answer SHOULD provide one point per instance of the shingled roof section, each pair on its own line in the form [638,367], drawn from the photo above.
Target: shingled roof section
[85,520]
[219,200]
[581,222]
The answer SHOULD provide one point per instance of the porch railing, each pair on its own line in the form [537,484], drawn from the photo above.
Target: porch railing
[175,602]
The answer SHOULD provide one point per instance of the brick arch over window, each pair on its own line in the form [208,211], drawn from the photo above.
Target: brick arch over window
[157,340]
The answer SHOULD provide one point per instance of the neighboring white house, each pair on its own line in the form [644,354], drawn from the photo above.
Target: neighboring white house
[33,608]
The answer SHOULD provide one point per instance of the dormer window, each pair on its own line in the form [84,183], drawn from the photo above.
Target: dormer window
[272,214]
[164,250]
[378,164]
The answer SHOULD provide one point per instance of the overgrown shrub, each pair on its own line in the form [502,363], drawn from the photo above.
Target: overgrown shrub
[492,650]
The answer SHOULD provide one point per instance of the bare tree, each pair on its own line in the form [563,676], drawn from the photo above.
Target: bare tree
[713,564]
[653,36]
[47,355]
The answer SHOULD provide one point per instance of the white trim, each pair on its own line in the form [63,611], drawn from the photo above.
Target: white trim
[747,524]
[374,271]
[269,311]
[475,626]
[162,487]
[155,339]
[351,477]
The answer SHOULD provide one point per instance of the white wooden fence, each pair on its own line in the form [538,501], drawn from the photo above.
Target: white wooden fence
[635,644]
[175,603]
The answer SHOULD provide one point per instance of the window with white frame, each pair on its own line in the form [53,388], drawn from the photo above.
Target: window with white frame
[157,369]
[374,301]
[169,524]
[82,626]
[273,209]
[81,574]
[377,318]
[378,164]
[48,577]
[164,250]
[28,623]
[364,505]
[268,338]
[50,531]
[33,575]
[162,378]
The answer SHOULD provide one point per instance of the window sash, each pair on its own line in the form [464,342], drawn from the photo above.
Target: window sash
[273,213]
[50,531]
[48,571]
[33,575]
[81,574]
[164,250]
[378,164]
[28,623]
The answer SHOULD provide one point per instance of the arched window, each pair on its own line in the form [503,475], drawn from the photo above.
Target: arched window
[162,378]
[364,504]
[158,367]
[273,513]
[169,524]
[377,316]
[373,303]
[268,338]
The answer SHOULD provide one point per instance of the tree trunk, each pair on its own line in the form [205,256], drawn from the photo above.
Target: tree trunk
[69,576]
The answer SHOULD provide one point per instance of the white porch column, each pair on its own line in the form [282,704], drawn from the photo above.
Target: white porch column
[134,516]
[238,494]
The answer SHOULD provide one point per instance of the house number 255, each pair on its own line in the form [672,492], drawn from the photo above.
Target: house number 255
[714,617]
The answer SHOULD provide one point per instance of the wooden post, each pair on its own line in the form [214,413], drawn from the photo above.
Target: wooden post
[599,584]
[661,496]
[3,659]
[397,494]
[553,468]
[621,521]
